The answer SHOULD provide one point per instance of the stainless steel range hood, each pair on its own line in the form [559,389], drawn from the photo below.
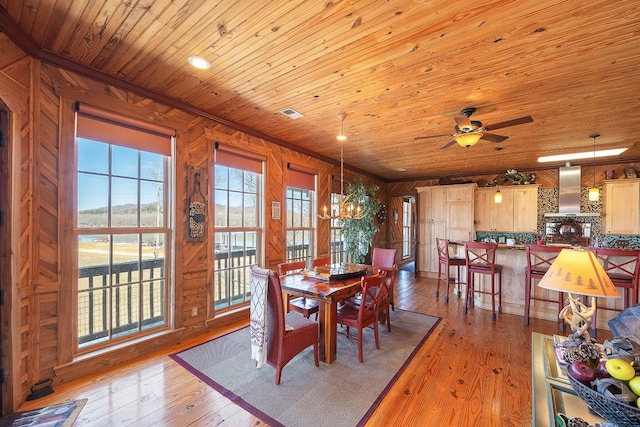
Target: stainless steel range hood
[569,194]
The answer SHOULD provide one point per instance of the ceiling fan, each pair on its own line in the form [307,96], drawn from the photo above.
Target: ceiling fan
[468,132]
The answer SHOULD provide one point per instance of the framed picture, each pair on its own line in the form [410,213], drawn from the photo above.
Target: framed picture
[275,210]
[502,239]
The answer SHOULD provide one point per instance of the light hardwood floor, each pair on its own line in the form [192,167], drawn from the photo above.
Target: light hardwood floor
[472,371]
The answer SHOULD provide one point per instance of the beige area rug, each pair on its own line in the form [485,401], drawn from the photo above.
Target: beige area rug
[62,415]
[344,393]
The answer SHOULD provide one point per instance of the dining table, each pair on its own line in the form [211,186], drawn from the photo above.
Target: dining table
[340,281]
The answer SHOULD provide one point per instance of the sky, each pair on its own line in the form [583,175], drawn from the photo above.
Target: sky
[128,168]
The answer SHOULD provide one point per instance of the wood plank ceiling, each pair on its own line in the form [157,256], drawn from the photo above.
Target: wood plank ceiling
[398,69]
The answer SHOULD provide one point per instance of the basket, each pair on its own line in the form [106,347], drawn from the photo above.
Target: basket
[610,409]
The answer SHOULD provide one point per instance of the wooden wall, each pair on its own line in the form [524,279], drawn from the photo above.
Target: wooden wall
[39,298]
[17,232]
[44,298]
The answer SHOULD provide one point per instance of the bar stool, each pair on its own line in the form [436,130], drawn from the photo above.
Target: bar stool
[481,259]
[623,268]
[539,259]
[446,260]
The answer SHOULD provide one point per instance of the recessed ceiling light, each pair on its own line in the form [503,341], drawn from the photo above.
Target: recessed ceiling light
[199,62]
[401,169]
[583,155]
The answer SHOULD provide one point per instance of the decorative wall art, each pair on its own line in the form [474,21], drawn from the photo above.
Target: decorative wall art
[196,204]
[630,172]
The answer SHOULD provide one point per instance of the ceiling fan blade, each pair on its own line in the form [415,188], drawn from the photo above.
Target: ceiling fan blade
[508,123]
[463,123]
[448,144]
[432,136]
[493,137]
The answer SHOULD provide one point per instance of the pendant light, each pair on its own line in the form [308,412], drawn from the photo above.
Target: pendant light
[497,198]
[346,208]
[594,192]
[341,136]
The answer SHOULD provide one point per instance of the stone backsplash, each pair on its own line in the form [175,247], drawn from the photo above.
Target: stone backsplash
[548,203]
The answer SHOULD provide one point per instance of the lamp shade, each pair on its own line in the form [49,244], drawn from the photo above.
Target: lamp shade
[497,197]
[467,139]
[578,271]
[594,194]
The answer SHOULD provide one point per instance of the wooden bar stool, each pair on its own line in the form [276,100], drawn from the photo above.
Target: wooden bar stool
[623,268]
[445,261]
[539,259]
[481,259]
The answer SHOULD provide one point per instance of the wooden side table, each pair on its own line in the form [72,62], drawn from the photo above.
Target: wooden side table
[551,390]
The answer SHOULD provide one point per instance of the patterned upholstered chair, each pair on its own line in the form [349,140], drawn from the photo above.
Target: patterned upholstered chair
[283,344]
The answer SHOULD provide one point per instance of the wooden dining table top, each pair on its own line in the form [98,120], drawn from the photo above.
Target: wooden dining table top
[317,288]
[320,287]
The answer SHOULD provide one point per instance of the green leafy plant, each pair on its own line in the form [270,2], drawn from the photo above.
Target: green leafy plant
[358,233]
[516,178]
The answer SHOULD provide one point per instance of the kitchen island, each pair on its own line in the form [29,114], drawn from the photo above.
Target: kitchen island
[514,263]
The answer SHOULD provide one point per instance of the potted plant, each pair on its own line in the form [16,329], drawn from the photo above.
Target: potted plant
[358,233]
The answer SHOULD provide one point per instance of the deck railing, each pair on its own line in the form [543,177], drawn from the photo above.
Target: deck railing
[94,316]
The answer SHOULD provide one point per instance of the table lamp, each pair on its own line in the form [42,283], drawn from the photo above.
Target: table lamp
[578,272]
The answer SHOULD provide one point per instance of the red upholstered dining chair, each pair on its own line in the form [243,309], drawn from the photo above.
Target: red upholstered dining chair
[446,260]
[320,261]
[302,305]
[384,303]
[283,344]
[539,259]
[481,259]
[366,313]
[386,259]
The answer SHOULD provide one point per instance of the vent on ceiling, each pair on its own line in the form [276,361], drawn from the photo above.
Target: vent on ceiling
[291,113]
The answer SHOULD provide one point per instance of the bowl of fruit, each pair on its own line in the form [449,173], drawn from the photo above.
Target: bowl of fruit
[612,387]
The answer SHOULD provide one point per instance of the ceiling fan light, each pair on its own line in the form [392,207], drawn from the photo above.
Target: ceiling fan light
[594,194]
[467,139]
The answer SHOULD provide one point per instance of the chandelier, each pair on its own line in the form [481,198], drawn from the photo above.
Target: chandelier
[346,208]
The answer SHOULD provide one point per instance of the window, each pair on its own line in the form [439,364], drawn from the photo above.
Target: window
[238,229]
[121,228]
[336,244]
[300,214]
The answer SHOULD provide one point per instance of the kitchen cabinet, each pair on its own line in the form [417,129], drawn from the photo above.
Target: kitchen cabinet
[459,220]
[492,216]
[525,209]
[444,212]
[432,215]
[518,211]
[621,206]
